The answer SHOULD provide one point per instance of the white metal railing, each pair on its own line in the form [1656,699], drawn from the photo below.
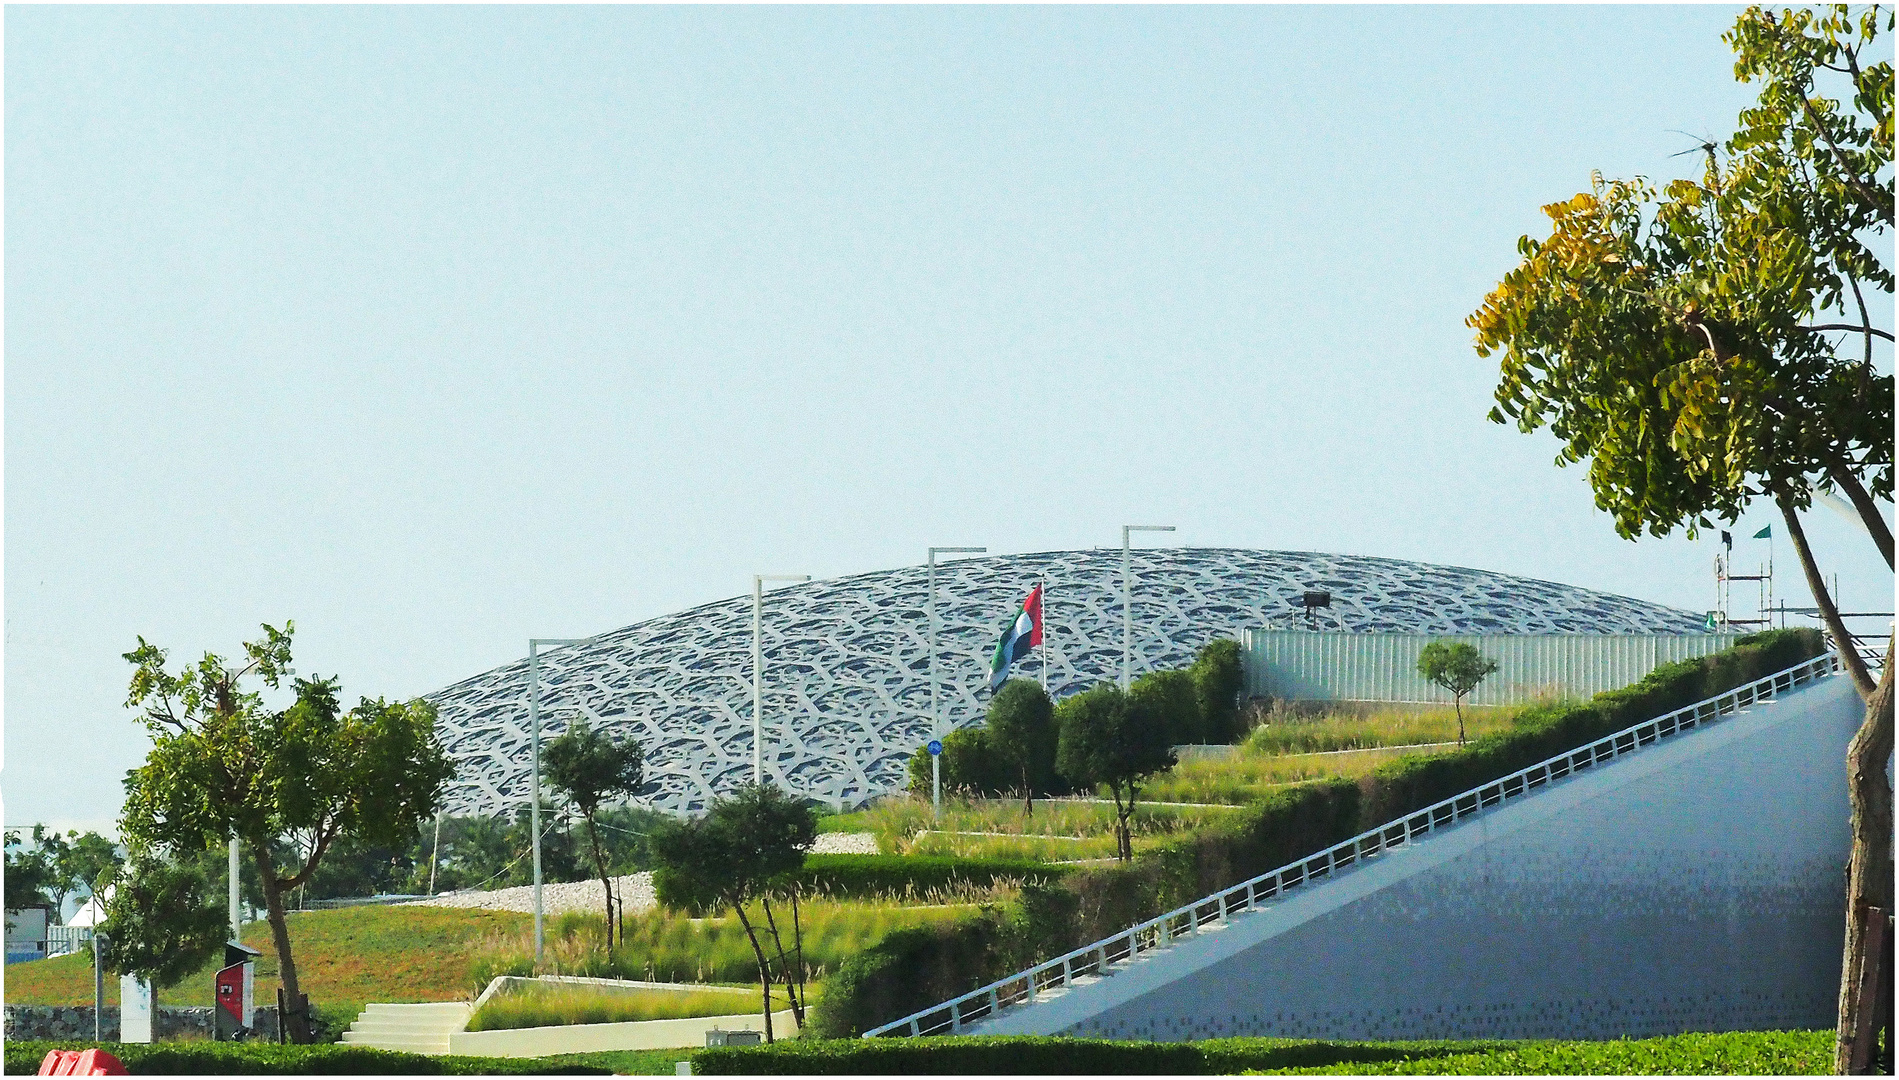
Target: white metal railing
[1098,959]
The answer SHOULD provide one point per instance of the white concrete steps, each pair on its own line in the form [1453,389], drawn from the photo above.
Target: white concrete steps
[417,1029]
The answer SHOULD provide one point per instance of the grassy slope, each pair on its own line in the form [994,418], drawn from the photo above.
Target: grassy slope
[344,959]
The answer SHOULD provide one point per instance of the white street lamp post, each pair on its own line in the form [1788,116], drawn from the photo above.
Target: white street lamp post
[534,721]
[758,670]
[1127,598]
[936,718]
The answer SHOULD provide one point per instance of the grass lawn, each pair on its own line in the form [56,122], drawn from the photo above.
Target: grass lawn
[345,958]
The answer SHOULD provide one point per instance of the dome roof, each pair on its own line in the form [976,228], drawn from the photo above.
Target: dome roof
[846,661]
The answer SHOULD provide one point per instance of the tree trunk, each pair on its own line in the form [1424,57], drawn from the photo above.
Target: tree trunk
[1458,704]
[1869,882]
[1829,614]
[1028,793]
[797,937]
[606,883]
[1869,514]
[784,965]
[764,969]
[1123,837]
[296,1025]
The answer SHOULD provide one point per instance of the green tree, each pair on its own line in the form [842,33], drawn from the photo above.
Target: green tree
[89,860]
[970,764]
[1105,738]
[163,922]
[1021,726]
[1457,667]
[28,873]
[1711,344]
[742,850]
[590,769]
[1170,700]
[1219,678]
[222,764]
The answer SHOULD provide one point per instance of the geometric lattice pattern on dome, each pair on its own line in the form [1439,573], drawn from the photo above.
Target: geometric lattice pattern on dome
[847,693]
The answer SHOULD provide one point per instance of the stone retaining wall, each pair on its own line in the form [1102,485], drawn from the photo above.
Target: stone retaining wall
[75,1022]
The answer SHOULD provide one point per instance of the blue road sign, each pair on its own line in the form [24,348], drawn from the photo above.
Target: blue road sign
[935,747]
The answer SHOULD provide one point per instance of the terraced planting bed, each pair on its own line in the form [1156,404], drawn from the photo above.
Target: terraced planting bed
[664,946]
[544,1005]
[1199,791]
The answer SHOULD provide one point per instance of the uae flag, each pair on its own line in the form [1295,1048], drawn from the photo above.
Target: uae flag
[1023,633]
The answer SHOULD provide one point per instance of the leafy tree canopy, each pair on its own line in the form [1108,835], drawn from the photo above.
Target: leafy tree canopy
[1107,737]
[223,764]
[1021,724]
[163,921]
[1219,677]
[1689,341]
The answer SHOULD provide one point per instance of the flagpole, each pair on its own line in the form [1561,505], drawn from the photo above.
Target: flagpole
[1042,591]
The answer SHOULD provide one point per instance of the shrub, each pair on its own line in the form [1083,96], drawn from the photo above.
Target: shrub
[1219,677]
[1168,700]
[910,970]
[969,765]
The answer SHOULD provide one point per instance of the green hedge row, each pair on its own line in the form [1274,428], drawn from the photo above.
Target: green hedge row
[1744,1052]
[1286,826]
[873,875]
[255,1059]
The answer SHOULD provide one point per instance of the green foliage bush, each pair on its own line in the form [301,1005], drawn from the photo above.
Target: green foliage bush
[969,765]
[1219,677]
[259,1059]
[1169,701]
[910,970]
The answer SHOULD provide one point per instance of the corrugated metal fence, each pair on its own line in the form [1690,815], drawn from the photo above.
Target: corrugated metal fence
[1324,666]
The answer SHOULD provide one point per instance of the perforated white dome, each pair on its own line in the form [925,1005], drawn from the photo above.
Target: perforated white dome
[847,660]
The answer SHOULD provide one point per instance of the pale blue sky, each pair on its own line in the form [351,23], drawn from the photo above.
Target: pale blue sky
[439,328]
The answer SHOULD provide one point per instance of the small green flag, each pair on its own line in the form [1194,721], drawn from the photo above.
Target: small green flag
[1765,533]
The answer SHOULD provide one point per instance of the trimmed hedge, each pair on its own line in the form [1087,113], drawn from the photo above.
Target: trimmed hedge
[1287,825]
[910,970]
[872,875]
[240,1059]
[1741,1052]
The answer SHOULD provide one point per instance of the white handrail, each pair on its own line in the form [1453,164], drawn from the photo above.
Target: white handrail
[956,1014]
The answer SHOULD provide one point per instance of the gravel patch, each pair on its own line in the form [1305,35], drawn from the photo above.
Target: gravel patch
[845,843]
[636,892]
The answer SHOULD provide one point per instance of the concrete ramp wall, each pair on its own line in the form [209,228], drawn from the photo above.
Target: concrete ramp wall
[1694,886]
